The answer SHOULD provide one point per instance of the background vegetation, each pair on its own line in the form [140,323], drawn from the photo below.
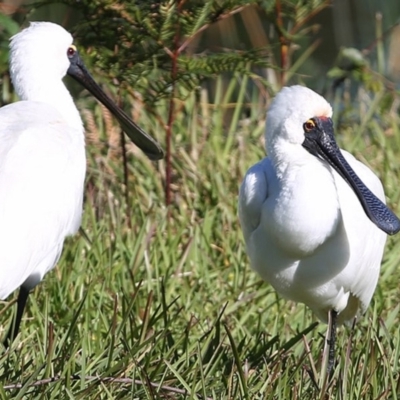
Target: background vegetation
[155,297]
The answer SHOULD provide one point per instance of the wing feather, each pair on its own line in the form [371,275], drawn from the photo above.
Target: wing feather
[253,193]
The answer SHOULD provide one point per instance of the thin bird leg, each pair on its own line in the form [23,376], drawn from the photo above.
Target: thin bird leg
[332,340]
[14,328]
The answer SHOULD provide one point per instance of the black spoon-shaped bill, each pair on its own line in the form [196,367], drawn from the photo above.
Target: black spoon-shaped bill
[320,141]
[145,142]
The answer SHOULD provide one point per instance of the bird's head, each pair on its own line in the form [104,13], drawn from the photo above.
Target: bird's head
[39,53]
[299,125]
[290,112]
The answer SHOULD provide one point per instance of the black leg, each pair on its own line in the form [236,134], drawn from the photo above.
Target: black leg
[332,340]
[14,328]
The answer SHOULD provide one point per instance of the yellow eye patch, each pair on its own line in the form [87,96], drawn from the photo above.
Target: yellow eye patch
[309,125]
[71,51]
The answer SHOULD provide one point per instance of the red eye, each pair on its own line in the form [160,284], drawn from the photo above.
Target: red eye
[309,125]
[71,51]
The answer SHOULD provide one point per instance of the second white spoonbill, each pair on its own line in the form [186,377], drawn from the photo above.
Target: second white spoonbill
[313,217]
[42,158]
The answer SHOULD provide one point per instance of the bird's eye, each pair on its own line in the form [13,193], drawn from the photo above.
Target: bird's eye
[71,51]
[309,125]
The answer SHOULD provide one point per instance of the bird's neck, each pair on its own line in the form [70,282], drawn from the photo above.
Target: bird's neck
[285,156]
[53,93]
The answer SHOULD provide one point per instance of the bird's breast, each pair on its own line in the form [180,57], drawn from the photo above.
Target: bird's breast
[302,210]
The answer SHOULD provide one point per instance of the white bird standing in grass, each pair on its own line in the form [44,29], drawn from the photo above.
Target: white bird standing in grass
[313,217]
[42,158]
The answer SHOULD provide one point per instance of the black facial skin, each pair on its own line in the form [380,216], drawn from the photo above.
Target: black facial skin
[319,141]
[138,136]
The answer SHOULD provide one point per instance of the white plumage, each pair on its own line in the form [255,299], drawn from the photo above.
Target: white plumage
[305,230]
[42,157]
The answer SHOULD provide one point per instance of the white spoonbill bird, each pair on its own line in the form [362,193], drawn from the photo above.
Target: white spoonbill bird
[314,218]
[42,158]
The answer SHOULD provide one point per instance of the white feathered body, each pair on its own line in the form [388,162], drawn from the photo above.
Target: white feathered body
[42,160]
[306,232]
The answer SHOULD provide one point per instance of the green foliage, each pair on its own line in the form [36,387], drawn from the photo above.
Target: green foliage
[8,28]
[139,43]
[352,64]
[148,45]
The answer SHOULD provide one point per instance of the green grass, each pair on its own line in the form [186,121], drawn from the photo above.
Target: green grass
[153,303]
